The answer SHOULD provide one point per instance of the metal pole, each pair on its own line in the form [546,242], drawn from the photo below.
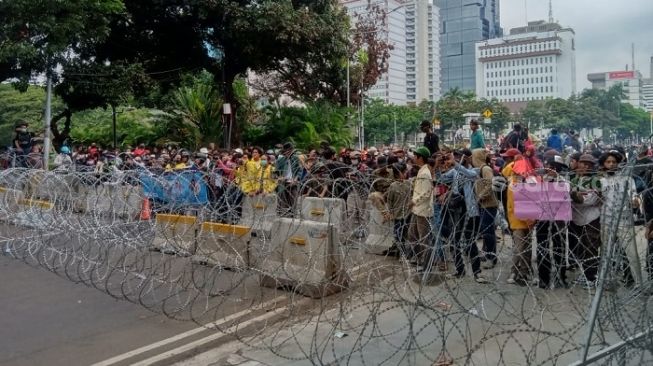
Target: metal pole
[651,116]
[394,120]
[348,87]
[363,121]
[596,301]
[48,114]
[115,135]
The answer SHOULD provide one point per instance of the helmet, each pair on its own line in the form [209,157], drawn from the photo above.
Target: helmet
[65,150]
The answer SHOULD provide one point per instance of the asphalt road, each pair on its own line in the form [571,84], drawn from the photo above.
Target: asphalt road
[48,320]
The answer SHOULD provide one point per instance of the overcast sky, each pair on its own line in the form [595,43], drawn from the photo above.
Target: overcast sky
[604,31]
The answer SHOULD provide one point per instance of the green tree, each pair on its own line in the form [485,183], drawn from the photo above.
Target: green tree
[36,36]
[27,105]
[381,119]
[453,105]
[134,126]
[306,126]
[199,109]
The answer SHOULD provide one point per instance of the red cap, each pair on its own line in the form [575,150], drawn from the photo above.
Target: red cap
[511,153]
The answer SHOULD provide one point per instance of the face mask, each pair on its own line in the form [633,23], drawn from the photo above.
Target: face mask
[23,130]
[264,163]
[354,162]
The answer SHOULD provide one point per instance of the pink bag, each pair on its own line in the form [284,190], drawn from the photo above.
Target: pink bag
[543,201]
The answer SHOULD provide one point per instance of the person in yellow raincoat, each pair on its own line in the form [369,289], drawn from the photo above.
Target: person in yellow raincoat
[249,181]
[521,230]
[267,184]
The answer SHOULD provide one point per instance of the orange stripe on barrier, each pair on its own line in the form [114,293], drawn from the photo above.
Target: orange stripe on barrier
[297,240]
[317,212]
[215,227]
[37,203]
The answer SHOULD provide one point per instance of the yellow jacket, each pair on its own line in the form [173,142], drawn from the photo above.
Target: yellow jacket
[515,223]
[249,177]
[268,184]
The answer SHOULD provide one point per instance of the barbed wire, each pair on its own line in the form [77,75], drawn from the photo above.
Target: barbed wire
[324,259]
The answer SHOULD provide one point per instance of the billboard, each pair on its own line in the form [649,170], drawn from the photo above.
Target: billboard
[622,75]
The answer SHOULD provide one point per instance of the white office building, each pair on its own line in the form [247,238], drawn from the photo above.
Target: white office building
[647,90]
[391,87]
[631,82]
[422,51]
[534,62]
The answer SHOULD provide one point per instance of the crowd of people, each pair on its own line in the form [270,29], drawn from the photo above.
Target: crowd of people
[439,200]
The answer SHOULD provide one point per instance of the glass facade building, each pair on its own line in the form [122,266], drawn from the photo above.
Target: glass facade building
[462,24]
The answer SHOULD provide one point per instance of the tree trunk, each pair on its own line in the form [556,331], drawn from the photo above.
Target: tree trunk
[58,138]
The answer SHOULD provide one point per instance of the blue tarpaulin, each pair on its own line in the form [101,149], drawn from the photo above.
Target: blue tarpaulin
[177,188]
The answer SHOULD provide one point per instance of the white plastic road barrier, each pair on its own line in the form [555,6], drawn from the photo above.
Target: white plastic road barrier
[34,213]
[175,234]
[259,211]
[223,245]
[380,234]
[80,199]
[9,202]
[327,210]
[99,200]
[127,201]
[305,256]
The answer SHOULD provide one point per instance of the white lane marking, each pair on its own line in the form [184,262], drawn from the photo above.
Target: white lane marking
[189,346]
[180,336]
[199,342]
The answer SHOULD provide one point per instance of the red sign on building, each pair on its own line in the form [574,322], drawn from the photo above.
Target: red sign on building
[622,75]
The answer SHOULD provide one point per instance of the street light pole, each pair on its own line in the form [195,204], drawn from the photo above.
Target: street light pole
[47,117]
[115,135]
[394,121]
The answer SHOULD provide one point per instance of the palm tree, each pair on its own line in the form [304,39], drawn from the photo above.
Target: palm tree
[200,107]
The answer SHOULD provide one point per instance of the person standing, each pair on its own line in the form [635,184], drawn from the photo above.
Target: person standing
[521,230]
[585,225]
[619,197]
[289,170]
[550,235]
[397,203]
[431,140]
[421,206]
[554,141]
[477,140]
[22,143]
[488,205]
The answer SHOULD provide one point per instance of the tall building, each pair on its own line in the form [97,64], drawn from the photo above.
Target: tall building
[462,24]
[391,87]
[534,62]
[422,51]
[631,82]
[647,90]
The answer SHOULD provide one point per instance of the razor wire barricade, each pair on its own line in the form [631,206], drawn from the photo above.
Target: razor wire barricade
[195,248]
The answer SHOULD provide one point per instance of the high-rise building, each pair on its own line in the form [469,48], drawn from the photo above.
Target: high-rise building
[534,62]
[631,81]
[391,87]
[422,51]
[462,24]
[647,90]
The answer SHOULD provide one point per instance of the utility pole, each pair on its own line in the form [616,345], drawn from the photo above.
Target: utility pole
[47,119]
[394,120]
[115,135]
